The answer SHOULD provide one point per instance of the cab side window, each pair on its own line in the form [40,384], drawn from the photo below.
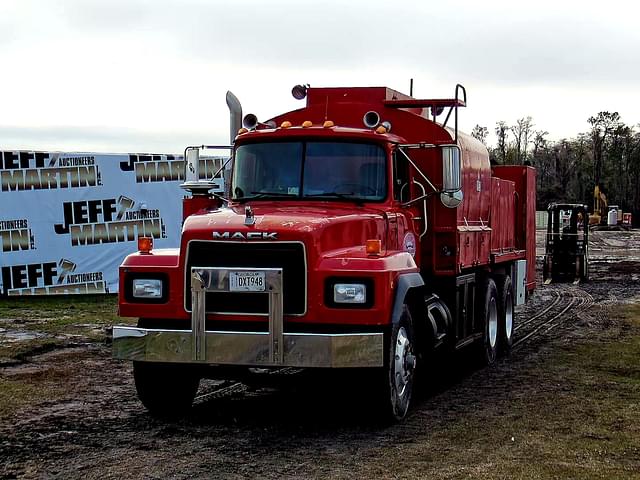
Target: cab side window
[401,187]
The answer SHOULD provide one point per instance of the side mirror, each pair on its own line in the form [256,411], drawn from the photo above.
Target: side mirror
[192,181]
[451,169]
[192,165]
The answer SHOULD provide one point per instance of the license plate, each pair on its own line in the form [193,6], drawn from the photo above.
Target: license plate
[246,282]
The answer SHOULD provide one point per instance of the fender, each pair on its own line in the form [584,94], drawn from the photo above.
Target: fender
[406,282]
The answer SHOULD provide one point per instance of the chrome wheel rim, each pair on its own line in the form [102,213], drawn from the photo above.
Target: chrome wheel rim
[404,363]
[493,323]
[508,320]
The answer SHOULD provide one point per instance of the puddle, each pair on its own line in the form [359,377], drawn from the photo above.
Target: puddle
[13,336]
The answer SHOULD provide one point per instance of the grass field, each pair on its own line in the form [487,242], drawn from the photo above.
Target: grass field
[576,414]
[37,324]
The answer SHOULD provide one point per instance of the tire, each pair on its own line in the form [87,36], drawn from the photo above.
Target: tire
[487,312]
[400,369]
[506,314]
[584,268]
[166,390]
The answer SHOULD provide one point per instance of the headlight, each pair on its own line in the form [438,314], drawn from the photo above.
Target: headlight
[147,288]
[349,293]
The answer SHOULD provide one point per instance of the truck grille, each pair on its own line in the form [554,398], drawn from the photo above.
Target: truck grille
[290,256]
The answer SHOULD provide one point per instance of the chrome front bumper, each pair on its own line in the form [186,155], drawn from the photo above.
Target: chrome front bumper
[249,348]
[272,348]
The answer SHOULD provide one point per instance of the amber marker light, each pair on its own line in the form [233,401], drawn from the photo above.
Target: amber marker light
[242,130]
[381,129]
[285,124]
[328,124]
[374,247]
[145,244]
[306,124]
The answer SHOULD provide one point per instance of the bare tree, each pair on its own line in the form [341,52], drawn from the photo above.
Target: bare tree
[602,125]
[502,130]
[521,131]
[481,133]
[608,154]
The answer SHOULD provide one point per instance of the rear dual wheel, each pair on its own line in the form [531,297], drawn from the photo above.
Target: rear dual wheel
[506,315]
[487,310]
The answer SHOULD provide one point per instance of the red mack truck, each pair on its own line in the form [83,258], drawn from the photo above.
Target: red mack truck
[360,231]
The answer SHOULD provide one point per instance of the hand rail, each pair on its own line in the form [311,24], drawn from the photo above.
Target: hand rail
[464,102]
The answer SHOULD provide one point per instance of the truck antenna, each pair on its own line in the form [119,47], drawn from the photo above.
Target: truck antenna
[411,87]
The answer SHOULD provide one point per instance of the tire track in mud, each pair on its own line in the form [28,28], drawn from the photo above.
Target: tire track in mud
[568,303]
[584,302]
[556,300]
[223,389]
[228,388]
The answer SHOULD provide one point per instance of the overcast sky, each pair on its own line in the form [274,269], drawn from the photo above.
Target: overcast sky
[151,75]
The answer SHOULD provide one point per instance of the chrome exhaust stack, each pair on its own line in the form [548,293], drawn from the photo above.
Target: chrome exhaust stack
[235,115]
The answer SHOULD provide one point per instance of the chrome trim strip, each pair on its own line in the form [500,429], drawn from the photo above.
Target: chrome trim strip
[301,350]
[198,337]
[276,318]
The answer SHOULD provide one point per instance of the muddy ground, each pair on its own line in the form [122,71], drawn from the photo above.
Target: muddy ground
[564,404]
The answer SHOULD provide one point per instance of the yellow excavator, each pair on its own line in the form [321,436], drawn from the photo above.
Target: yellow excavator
[600,207]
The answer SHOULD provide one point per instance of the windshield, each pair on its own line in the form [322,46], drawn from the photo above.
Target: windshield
[323,170]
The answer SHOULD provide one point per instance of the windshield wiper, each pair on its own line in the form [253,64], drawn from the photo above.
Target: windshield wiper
[343,196]
[265,194]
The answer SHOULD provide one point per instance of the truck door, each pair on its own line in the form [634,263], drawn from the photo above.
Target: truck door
[411,216]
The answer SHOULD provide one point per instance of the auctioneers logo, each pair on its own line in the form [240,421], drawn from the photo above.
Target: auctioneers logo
[108,220]
[166,168]
[45,171]
[16,235]
[50,278]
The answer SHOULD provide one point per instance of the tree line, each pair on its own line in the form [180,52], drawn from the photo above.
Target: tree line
[607,155]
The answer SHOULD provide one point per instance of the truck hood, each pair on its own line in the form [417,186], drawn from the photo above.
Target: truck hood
[325,230]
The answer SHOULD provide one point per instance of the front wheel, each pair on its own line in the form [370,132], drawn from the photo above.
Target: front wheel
[400,368]
[166,390]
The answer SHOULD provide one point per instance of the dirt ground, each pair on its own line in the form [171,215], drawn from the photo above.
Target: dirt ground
[564,404]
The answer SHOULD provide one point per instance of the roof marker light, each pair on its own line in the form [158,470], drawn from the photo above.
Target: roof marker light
[328,124]
[145,244]
[381,129]
[374,246]
[285,124]
[306,124]
[242,130]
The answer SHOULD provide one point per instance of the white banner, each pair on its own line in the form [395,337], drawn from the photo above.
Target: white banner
[67,220]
